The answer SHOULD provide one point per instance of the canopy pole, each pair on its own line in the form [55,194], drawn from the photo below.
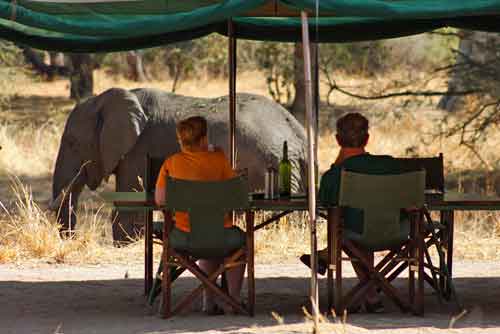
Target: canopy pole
[316,112]
[310,128]
[232,94]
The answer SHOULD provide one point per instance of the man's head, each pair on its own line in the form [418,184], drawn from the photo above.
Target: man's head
[352,131]
[192,133]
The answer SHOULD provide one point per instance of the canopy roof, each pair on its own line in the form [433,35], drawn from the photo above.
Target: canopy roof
[114,25]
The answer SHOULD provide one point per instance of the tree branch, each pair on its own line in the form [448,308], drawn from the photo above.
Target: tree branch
[403,93]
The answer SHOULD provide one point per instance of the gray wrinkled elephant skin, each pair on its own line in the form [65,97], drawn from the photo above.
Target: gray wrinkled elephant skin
[112,133]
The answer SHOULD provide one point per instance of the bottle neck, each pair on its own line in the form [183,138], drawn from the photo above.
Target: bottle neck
[285,151]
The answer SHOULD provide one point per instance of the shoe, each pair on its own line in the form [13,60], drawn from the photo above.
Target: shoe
[306,259]
[377,307]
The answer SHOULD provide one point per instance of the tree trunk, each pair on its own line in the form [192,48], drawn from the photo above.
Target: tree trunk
[56,59]
[136,68]
[450,102]
[298,108]
[36,60]
[82,80]
[473,47]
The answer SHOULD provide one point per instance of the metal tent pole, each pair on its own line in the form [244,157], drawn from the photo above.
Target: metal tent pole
[310,128]
[232,94]
[316,110]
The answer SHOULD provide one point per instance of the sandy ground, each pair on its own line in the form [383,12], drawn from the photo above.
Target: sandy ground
[99,299]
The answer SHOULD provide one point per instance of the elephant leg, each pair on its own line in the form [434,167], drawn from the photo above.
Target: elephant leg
[66,213]
[127,226]
[67,218]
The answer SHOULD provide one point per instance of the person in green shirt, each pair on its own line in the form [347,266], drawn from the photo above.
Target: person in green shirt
[352,136]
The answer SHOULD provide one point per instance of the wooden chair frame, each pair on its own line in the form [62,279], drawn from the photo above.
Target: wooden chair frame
[394,262]
[172,257]
[439,235]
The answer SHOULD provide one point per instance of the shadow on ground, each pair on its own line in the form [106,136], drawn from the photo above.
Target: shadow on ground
[117,306]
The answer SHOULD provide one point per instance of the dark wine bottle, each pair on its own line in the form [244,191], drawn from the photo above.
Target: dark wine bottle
[285,173]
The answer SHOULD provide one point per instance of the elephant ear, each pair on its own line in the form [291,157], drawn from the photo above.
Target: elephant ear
[123,120]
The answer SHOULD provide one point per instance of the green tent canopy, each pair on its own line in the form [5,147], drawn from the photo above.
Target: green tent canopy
[115,25]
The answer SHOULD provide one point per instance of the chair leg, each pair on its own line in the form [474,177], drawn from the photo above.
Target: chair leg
[411,267]
[331,257]
[432,281]
[250,261]
[419,303]
[166,284]
[188,300]
[196,271]
[337,248]
[384,284]
[148,252]
[167,279]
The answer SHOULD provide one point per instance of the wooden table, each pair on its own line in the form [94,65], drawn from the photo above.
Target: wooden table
[142,201]
[446,204]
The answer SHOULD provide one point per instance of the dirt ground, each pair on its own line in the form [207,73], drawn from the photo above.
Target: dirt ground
[108,299]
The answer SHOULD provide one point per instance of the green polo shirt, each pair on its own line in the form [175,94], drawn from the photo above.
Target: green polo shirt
[363,163]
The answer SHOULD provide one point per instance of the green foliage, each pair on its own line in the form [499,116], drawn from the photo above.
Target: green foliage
[363,58]
[276,61]
[425,52]
[115,62]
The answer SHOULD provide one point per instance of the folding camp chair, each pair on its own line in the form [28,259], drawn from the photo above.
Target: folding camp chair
[439,233]
[153,229]
[381,199]
[206,203]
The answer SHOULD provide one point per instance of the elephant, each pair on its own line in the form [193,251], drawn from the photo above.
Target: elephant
[112,133]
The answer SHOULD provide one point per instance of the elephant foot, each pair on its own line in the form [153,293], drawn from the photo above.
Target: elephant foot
[67,234]
[126,234]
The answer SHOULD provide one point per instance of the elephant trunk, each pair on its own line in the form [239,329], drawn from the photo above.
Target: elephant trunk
[68,182]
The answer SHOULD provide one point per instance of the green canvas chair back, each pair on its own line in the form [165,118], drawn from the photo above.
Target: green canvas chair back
[206,202]
[381,199]
[433,166]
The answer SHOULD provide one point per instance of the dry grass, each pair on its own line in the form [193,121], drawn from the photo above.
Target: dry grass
[28,150]
[32,233]
[29,232]
[31,126]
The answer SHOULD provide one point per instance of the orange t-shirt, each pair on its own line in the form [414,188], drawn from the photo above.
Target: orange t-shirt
[195,166]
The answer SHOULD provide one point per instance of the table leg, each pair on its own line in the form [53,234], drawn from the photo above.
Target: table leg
[250,261]
[448,220]
[148,252]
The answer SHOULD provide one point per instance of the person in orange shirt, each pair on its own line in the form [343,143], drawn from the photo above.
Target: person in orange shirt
[197,162]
